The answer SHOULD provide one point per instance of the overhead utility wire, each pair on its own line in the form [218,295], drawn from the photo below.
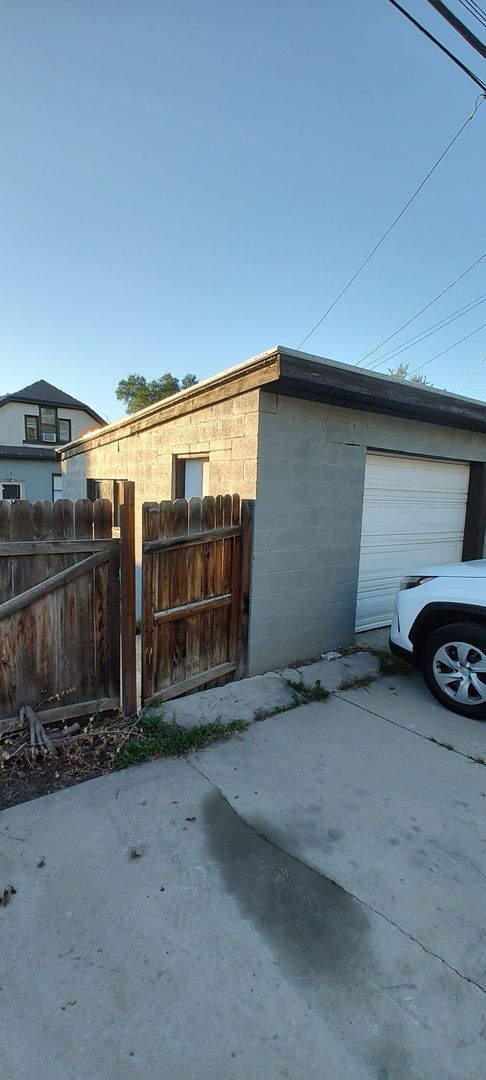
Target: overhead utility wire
[472,372]
[478,14]
[428,332]
[439,44]
[444,351]
[394,222]
[425,308]
[461,27]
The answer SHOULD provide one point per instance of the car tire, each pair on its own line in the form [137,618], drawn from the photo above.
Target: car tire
[459,648]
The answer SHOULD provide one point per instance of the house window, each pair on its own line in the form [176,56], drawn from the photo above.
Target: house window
[47,427]
[32,428]
[12,489]
[48,424]
[191,477]
[56,486]
[64,431]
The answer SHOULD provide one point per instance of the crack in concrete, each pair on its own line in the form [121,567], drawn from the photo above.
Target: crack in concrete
[340,693]
[314,870]
[411,731]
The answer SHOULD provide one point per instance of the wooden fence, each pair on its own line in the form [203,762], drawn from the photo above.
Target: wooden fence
[60,608]
[195,594]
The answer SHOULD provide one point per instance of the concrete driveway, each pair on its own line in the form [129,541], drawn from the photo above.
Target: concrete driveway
[306,900]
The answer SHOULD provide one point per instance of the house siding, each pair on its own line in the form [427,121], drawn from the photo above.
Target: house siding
[12,422]
[36,475]
[309,500]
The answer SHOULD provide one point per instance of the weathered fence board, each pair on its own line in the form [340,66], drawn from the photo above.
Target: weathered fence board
[60,609]
[195,593]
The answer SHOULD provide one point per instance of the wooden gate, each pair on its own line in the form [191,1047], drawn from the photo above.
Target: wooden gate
[196,560]
[60,609]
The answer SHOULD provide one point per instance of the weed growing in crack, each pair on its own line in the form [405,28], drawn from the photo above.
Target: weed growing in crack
[155,737]
[391,665]
[309,693]
[360,682]
[265,714]
[438,742]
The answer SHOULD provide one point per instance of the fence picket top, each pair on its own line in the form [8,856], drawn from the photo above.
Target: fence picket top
[180,517]
[236,509]
[83,519]
[22,520]
[43,520]
[195,516]
[102,519]
[208,512]
[165,519]
[4,519]
[63,520]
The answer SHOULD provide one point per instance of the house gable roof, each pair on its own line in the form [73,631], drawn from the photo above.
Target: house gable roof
[44,393]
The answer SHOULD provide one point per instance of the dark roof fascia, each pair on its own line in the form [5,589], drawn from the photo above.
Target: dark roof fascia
[30,453]
[350,387]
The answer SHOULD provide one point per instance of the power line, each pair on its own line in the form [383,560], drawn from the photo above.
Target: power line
[428,332]
[472,372]
[394,222]
[425,308]
[439,44]
[480,15]
[444,351]
[461,27]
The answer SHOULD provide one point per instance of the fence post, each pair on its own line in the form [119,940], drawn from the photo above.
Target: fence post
[247,513]
[127,599]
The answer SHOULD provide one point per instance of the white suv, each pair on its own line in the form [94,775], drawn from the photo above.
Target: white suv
[440,626]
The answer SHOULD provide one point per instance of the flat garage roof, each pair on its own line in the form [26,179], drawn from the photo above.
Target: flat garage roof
[297,374]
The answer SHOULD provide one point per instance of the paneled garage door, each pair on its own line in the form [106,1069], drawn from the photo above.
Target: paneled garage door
[413,516]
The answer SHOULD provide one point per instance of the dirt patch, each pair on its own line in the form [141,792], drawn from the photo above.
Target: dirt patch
[103,745]
[27,773]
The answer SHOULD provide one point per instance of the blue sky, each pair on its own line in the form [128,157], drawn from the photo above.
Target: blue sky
[184,185]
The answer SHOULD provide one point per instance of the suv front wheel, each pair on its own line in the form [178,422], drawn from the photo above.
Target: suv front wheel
[454,668]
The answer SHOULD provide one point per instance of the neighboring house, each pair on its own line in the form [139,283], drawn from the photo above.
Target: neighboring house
[358,479]
[33,422]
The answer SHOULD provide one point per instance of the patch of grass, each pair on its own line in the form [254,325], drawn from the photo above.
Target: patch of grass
[391,665]
[265,714]
[360,682]
[155,737]
[309,693]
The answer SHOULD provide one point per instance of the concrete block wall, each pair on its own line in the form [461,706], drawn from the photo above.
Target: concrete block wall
[226,432]
[309,502]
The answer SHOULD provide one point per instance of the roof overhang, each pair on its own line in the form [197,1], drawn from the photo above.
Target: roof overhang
[29,453]
[301,375]
[305,376]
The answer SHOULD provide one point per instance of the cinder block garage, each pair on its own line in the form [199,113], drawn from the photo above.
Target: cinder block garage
[358,479]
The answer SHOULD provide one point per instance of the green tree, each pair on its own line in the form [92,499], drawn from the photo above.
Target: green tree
[401,372]
[136,391]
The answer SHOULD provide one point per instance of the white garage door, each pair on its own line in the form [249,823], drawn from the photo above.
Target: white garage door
[413,516]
